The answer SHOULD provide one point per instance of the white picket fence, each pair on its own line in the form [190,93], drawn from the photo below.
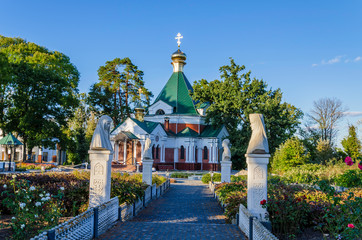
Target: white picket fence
[255,230]
[96,221]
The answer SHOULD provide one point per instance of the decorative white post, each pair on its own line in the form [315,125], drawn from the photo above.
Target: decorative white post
[257,158]
[226,163]
[100,156]
[147,163]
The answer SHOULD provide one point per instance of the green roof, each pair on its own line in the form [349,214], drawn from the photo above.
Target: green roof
[210,131]
[10,140]
[187,132]
[130,135]
[146,125]
[176,94]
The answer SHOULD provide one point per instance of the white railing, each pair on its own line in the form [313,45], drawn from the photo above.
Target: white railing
[96,221]
[243,220]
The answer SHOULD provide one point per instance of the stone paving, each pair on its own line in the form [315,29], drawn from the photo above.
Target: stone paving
[186,211]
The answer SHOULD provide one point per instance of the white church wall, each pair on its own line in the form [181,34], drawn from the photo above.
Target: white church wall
[160,105]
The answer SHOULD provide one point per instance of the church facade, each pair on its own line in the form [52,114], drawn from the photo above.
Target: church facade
[180,137]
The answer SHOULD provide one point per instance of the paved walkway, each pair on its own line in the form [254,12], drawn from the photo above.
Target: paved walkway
[186,211]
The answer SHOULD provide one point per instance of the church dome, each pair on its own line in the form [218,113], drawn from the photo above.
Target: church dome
[178,55]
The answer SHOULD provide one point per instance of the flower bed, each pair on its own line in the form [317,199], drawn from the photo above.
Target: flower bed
[69,193]
[35,166]
[293,208]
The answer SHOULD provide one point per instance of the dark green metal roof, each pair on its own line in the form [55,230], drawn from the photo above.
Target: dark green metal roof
[146,125]
[130,135]
[187,132]
[176,94]
[210,131]
[10,140]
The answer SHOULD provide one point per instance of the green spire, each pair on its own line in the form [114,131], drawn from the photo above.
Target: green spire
[176,94]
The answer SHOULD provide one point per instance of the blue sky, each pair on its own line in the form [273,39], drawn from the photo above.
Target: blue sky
[309,49]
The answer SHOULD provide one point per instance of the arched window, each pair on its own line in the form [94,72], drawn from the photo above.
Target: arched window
[182,152]
[157,148]
[153,151]
[160,112]
[206,153]
[195,154]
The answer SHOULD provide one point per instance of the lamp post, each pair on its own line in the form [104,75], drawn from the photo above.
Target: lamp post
[11,154]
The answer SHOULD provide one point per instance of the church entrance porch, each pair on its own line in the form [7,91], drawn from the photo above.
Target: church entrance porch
[128,149]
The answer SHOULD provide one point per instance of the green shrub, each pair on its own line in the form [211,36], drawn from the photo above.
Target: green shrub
[351,178]
[238,178]
[223,190]
[206,178]
[291,153]
[158,179]
[180,175]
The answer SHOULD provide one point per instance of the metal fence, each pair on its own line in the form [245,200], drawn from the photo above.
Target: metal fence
[96,221]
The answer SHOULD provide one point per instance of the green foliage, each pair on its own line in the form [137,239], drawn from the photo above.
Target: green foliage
[324,151]
[224,189]
[238,178]
[158,179]
[180,175]
[351,178]
[43,86]
[351,144]
[290,154]
[33,209]
[120,88]
[206,178]
[234,97]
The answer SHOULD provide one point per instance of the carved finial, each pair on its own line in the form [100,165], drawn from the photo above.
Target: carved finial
[258,142]
[147,153]
[101,139]
[226,155]
[179,37]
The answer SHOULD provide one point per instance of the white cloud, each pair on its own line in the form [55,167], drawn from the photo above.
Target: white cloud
[353,114]
[333,60]
[357,59]
[314,65]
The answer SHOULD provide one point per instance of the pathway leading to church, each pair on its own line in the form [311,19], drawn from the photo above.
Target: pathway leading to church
[186,211]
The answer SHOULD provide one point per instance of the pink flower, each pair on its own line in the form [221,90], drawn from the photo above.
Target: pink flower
[360,165]
[348,161]
[262,202]
[350,225]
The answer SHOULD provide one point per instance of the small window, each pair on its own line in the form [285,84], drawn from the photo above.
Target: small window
[195,154]
[174,109]
[153,152]
[182,152]
[157,148]
[205,153]
[160,112]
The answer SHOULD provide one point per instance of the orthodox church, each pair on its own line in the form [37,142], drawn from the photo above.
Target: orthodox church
[180,137]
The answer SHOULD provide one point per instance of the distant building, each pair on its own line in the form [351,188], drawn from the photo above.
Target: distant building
[180,137]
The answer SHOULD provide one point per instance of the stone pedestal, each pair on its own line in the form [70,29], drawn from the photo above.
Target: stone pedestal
[257,183]
[225,171]
[147,171]
[100,177]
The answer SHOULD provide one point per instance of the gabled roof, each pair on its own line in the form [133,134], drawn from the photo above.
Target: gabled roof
[211,131]
[187,132]
[146,125]
[176,94]
[130,135]
[10,140]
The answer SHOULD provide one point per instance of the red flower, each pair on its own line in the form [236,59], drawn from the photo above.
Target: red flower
[299,200]
[360,165]
[262,202]
[350,225]
[348,161]
[276,213]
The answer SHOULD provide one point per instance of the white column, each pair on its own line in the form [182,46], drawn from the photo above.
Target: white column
[124,151]
[147,171]
[163,152]
[1,152]
[116,149]
[134,151]
[100,178]
[257,183]
[175,154]
[142,148]
[225,171]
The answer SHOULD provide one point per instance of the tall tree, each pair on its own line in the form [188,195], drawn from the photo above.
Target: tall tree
[351,144]
[119,89]
[43,90]
[326,113]
[234,97]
